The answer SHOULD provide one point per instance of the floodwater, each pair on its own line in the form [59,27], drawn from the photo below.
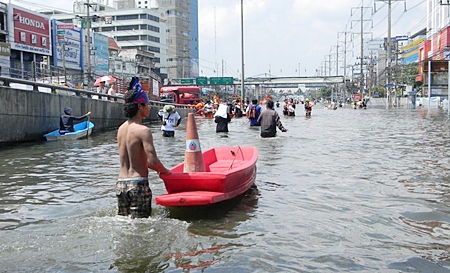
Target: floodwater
[343,191]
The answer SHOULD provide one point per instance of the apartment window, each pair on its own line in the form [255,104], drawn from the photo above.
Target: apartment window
[131,47]
[127,17]
[153,28]
[107,28]
[150,38]
[154,49]
[127,38]
[132,27]
[153,18]
[143,16]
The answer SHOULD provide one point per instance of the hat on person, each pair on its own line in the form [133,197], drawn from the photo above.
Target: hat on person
[307,99]
[67,110]
[169,109]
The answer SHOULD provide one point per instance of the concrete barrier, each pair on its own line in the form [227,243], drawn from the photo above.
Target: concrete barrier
[26,115]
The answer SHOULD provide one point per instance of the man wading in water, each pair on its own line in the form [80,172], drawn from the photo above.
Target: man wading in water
[137,154]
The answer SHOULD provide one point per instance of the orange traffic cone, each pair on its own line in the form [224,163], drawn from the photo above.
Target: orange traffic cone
[193,158]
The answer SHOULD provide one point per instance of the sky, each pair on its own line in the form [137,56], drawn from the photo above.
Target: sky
[290,37]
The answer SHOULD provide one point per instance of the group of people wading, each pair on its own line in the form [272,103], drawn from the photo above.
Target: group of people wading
[268,119]
[137,153]
[290,104]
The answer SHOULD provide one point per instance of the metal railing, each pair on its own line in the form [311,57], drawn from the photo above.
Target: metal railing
[29,85]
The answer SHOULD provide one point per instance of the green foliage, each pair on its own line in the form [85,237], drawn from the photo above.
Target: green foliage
[406,74]
[325,92]
[381,90]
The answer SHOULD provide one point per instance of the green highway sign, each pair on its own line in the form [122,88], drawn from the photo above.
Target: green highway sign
[187,81]
[201,80]
[221,80]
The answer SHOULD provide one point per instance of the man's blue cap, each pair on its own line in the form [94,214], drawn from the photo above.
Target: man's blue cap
[67,110]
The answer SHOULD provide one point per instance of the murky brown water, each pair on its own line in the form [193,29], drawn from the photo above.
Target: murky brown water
[343,191]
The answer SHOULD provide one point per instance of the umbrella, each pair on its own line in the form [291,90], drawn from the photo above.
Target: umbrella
[106,79]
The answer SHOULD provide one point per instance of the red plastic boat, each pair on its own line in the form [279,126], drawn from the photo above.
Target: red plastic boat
[229,172]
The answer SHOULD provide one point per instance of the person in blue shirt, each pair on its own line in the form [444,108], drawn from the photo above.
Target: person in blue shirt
[253,112]
[66,121]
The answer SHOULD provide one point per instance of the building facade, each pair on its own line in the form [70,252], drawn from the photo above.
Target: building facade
[182,37]
[138,29]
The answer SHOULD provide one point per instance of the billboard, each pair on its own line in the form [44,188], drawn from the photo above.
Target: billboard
[29,31]
[101,54]
[5,52]
[68,45]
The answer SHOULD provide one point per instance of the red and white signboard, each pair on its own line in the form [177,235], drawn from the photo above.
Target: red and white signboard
[30,31]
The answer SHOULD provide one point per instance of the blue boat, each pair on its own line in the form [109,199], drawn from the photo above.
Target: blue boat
[80,132]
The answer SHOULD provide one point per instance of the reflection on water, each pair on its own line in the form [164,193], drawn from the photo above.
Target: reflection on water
[344,190]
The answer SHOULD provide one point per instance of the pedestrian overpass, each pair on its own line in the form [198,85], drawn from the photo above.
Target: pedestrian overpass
[264,82]
[292,82]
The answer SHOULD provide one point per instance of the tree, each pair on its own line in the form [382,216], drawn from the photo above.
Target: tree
[325,92]
[381,90]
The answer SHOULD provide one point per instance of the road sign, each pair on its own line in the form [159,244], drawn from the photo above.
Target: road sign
[187,81]
[201,80]
[221,80]
[60,33]
[65,26]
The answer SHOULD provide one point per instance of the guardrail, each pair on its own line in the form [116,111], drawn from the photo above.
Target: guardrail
[63,90]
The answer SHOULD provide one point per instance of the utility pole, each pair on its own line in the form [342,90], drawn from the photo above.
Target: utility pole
[222,68]
[388,58]
[361,83]
[183,62]
[344,59]
[361,68]
[388,53]
[329,65]
[88,42]
[337,58]
[242,50]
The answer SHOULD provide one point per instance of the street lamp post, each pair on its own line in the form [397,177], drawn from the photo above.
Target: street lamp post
[242,50]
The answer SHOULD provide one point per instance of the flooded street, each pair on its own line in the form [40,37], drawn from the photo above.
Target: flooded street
[343,191]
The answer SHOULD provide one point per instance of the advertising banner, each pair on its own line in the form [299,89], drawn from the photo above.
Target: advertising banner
[5,52]
[155,85]
[101,54]
[68,45]
[29,31]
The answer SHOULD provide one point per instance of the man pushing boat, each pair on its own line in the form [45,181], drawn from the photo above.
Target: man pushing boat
[137,154]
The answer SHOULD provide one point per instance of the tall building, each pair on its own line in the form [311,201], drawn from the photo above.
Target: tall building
[182,36]
[194,54]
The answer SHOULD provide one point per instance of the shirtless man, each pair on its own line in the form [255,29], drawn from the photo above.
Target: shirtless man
[137,154]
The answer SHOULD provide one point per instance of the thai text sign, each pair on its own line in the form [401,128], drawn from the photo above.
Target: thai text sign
[69,43]
[101,53]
